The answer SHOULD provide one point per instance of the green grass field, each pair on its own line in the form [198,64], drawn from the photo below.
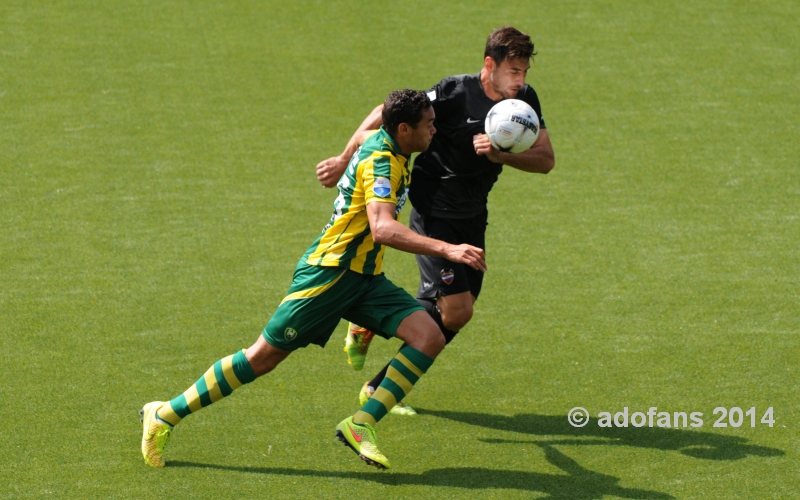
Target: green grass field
[157,188]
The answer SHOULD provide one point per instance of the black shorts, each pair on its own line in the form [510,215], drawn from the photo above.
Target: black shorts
[439,276]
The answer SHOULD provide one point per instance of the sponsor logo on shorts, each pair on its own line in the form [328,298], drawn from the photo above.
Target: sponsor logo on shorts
[427,284]
[447,276]
[290,334]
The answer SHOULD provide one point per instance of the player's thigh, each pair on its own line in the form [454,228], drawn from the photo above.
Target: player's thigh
[298,323]
[472,231]
[441,277]
[382,307]
[449,304]
[438,276]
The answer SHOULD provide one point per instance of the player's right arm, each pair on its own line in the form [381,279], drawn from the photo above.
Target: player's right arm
[330,171]
[539,159]
[387,231]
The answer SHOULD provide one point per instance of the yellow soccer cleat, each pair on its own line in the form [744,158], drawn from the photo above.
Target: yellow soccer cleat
[403,409]
[154,435]
[365,394]
[399,409]
[356,345]
[361,439]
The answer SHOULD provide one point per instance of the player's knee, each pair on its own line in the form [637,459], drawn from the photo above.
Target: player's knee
[420,332]
[435,342]
[263,357]
[429,340]
[456,318]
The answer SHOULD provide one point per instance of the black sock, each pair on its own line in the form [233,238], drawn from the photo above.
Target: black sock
[375,382]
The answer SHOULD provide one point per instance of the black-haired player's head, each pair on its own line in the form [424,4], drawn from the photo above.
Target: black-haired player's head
[408,117]
[506,61]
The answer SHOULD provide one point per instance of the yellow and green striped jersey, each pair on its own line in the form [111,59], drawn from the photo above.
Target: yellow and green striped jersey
[378,172]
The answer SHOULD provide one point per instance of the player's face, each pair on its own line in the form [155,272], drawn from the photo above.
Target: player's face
[509,76]
[422,136]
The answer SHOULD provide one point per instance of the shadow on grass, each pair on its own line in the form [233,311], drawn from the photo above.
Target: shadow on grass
[577,483]
[690,443]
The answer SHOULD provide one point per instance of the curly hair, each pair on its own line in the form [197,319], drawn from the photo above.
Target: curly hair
[404,106]
[508,43]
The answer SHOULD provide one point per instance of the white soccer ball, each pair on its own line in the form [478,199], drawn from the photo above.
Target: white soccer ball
[512,125]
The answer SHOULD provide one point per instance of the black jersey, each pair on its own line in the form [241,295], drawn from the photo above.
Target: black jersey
[450,180]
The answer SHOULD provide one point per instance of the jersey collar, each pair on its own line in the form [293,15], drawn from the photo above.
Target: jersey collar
[391,142]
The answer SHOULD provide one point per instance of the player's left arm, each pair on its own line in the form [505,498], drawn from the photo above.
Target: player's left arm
[386,230]
[330,171]
[539,159]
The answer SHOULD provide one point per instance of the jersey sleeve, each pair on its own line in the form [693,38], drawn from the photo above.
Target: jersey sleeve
[381,179]
[444,97]
[529,95]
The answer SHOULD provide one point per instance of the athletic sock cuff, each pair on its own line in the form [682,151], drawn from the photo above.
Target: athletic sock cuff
[420,359]
[242,369]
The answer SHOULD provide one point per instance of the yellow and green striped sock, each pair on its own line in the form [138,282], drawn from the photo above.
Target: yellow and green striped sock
[220,380]
[404,371]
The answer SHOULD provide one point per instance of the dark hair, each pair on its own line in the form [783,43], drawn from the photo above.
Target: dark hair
[404,106]
[508,43]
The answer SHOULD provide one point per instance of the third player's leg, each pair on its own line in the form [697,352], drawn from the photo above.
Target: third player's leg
[456,310]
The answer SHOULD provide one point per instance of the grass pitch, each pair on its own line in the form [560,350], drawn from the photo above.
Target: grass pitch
[157,189]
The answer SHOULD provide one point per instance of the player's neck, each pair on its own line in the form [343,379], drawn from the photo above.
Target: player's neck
[400,143]
[404,146]
[488,88]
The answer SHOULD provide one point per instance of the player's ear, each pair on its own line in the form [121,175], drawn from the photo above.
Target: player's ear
[489,63]
[403,128]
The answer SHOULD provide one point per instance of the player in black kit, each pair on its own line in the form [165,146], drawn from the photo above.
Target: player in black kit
[450,183]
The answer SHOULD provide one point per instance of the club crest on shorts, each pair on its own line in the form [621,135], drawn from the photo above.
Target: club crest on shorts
[290,334]
[447,276]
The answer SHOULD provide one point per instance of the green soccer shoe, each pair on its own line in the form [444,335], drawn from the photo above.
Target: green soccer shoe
[356,345]
[361,439]
[154,435]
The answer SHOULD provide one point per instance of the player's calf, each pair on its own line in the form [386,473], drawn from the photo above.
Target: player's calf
[419,331]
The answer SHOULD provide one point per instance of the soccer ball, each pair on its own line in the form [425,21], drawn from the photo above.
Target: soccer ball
[512,125]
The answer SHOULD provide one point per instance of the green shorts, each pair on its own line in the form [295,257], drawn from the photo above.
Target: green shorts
[320,296]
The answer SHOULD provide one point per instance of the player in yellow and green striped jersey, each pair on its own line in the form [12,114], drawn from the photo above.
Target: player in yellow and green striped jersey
[340,277]
[375,173]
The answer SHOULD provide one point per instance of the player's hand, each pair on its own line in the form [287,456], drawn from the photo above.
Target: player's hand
[483,146]
[330,171]
[472,256]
